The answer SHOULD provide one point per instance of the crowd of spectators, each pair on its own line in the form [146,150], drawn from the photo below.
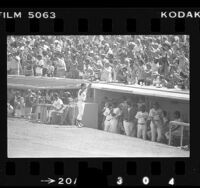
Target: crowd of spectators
[159,60]
[24,103]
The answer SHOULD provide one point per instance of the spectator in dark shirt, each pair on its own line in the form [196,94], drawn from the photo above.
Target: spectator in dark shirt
[121,75]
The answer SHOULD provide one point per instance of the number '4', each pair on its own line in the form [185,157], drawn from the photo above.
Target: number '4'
[171,181]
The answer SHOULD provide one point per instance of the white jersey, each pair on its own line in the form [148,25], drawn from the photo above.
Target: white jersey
[142,117]
[81,96]
[81,104]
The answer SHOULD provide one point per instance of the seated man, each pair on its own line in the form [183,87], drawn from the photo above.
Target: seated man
[57,106]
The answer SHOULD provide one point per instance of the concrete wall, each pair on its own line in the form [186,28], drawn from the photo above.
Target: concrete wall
[90,115]
[168,105]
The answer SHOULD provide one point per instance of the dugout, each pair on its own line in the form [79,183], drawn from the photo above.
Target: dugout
[170,100]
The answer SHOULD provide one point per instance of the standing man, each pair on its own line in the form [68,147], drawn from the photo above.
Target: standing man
[107,72]
[156,118]
[114,122]
[129,122]
[39,66]
[14,65]
[82,95]
[29,100]
[28,68]
[142,117]
[17,104]
[67,115]
[61,66]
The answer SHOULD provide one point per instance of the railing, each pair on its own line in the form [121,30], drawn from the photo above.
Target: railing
[182,125]
[42,112]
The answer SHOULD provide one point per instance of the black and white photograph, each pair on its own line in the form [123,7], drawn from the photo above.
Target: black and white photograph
[89,96]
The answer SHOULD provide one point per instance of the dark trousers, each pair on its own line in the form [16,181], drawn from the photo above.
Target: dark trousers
[141,80]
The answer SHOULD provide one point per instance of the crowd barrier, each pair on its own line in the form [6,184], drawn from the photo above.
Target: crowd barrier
[68,115]
[182,125]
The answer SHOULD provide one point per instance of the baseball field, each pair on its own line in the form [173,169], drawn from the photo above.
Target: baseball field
[34,140]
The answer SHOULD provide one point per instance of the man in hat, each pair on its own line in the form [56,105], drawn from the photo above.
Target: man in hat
[82,96]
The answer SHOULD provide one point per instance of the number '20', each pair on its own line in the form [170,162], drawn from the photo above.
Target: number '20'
[67,181]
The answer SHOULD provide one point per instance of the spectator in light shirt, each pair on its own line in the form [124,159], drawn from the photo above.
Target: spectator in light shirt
[107,72]
[60,66]
[57,106]
[39,66]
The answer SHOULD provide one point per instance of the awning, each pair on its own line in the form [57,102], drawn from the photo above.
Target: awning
[25,82]
[145,91]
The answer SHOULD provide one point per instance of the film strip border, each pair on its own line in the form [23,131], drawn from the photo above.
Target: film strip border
[102,172]
[100,21]
[83,26]
[112,171]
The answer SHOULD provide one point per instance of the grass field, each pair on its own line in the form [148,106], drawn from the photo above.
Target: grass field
[33,140]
